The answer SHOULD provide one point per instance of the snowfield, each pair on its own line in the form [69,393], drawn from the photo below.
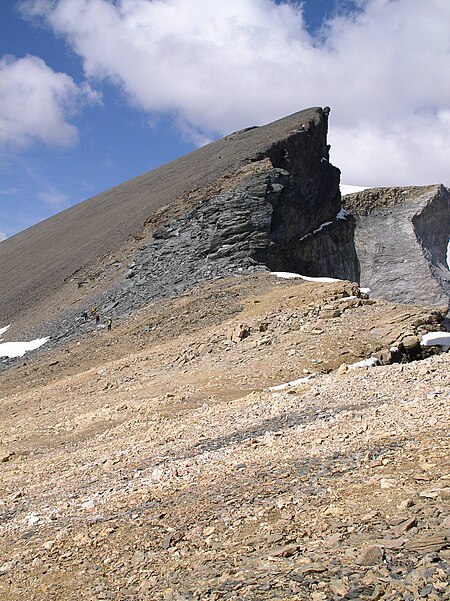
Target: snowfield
[346,189]
[18,349]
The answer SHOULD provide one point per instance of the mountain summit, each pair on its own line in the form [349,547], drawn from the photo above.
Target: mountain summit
[264,198]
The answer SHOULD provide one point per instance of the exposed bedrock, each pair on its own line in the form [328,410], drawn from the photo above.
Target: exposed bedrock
[268,221]
[256,199]
[280,211]
[401,240]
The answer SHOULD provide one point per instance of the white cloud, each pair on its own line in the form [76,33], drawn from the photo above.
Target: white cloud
[35,102]
[219,66]
[3,236]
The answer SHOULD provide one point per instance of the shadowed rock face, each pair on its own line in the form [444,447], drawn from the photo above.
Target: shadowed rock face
[274,218]
[401,240]
[256,199]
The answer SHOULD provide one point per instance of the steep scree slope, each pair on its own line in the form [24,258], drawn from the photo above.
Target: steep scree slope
[152,463]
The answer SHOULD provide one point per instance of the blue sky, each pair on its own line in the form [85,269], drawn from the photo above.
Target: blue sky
[93,92]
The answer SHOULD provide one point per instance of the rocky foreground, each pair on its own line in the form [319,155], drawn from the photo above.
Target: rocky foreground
[152,462]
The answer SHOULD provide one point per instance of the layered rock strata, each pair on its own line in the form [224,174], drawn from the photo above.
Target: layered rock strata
[262,198]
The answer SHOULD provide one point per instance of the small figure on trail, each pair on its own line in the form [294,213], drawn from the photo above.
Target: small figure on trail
[109,324]
[84,315]
[97,318]
[93,311]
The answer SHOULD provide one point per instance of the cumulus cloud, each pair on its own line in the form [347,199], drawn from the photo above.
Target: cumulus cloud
[2,236]
[35,103]
[217,66]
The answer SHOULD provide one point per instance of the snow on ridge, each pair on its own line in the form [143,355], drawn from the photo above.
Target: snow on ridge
[327,223]
[289,384]
[287,275]
[364,363]
[341,215]
[3,330]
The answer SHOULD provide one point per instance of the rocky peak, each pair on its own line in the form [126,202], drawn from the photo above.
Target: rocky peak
[262,198]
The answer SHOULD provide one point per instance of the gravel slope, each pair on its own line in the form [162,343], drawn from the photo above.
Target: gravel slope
[152,463]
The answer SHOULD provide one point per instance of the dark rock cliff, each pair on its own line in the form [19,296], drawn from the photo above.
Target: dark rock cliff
[262,198]
[401,240]
[284,213]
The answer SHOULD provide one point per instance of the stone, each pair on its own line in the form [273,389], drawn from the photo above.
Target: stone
[432,493]
[387,482]
[371,556]
[427,544]
[405,504]
[284,551]
[138,558]
[209,530]
[410,343]
[7,567]
[239,333]
[166,543]
[329,313]
[6,455]
[404,526]
[311,568]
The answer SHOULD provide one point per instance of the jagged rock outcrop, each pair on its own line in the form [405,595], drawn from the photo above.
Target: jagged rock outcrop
[262,198]
[257,225]
[401,240]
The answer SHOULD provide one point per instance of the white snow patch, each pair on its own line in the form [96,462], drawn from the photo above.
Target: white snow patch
[289,384]
[287,275]
[321,227]
[341,215]
[364,363]
[3,330]
[316,231]
[365,290]
[448,254]
[345,189]
[18,349]
[437,339]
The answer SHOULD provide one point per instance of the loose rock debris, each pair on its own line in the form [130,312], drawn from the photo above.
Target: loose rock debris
[133,476]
